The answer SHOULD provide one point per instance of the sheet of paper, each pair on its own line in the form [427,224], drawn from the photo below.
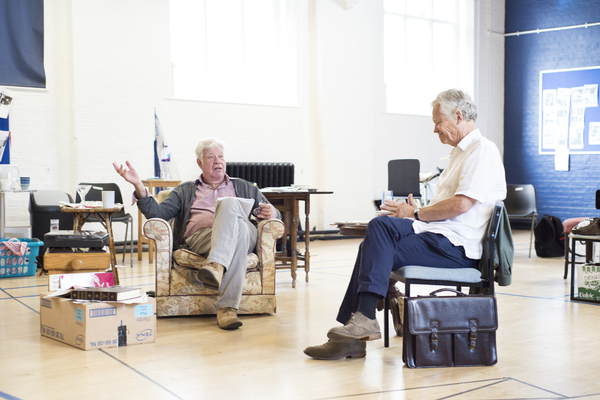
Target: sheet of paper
[3,142]
[590,93]
[247,204]
[576,125]
[561,159]
[6,98]
[594,133]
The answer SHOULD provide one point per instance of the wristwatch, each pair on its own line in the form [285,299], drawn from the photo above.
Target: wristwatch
[416,213]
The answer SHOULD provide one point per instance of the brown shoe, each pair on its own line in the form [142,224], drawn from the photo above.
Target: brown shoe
[336,350]
[211,275]
[358,327]
[227,318]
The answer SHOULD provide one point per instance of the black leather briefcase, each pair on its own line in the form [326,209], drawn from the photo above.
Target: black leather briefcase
[450,331]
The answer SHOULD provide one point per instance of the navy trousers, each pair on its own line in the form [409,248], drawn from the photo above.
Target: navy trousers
[391,243]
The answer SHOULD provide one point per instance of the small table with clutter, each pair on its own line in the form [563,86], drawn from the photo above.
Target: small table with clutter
[102,215]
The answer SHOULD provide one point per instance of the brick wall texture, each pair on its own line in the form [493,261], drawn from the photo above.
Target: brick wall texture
[565,194]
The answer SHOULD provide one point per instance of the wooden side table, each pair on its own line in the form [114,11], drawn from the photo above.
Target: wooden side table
[287,202]
[152,185]
[104,216]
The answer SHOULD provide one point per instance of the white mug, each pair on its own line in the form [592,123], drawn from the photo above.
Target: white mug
[5,184]
[108,199]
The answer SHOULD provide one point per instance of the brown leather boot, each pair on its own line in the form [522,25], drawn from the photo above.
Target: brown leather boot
[227,318]
[212,275]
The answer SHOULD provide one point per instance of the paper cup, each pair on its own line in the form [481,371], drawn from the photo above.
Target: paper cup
[25,182]
[108,199]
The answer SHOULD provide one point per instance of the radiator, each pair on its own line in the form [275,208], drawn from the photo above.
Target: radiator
[263,174]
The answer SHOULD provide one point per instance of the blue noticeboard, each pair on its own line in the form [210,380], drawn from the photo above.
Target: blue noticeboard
[6,154]
[569,111]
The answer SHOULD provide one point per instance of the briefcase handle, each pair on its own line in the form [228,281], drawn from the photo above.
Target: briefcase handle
[435,292]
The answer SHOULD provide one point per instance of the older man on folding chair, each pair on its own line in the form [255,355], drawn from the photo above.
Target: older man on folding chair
[446,233]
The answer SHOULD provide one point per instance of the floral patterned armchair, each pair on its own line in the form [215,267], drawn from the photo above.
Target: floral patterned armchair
[179,293]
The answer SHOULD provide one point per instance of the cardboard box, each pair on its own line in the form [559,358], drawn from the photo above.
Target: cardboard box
[97,325]
[588,282]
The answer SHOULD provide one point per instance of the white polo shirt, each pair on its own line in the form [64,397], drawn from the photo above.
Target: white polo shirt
[476,171]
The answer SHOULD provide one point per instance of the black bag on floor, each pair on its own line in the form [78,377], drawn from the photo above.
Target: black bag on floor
[455,331]
[549,237]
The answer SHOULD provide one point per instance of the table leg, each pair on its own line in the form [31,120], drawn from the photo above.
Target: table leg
[111,246]
[286,223]
[307,237]
[77,222]
[573,269]
[294,237]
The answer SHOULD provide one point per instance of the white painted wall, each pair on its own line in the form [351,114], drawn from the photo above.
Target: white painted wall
[108,68]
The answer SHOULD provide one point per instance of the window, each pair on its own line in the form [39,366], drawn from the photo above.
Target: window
[242,51]
[427,48]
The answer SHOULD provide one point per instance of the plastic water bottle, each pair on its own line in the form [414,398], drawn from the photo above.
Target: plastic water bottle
[165,163]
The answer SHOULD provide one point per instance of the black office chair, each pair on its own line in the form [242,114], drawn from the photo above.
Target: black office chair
[119,216]
[454,277]
[45,214]
[521,203]
[403,178]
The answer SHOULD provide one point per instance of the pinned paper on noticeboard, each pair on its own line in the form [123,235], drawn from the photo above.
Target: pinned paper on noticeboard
[4,147]
[6,98]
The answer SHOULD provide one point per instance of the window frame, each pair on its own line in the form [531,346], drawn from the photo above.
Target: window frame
[406,104]
[244,87]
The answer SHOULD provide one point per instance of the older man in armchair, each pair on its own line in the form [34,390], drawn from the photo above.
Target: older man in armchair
[209,221]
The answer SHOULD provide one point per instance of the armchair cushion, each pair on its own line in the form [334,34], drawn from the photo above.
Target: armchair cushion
[184,278]
[189,259]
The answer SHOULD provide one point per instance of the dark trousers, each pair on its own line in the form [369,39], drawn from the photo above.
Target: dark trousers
[391,243]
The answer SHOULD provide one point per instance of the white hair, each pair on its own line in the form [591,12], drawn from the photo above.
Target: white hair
[453,100]
[207,145]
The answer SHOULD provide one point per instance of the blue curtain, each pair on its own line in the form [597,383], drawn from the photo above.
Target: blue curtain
[22,43]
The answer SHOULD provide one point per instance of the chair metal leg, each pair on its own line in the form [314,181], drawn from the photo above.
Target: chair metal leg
[566,240]
[531,236]
[386,321]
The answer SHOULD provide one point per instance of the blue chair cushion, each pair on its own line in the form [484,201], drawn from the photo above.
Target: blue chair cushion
[470,275]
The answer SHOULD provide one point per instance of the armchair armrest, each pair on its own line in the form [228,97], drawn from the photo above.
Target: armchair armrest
[269,231]
[160,232]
